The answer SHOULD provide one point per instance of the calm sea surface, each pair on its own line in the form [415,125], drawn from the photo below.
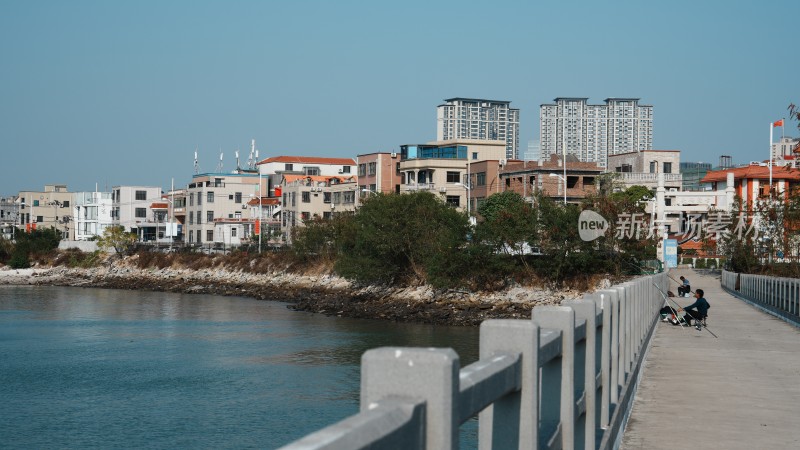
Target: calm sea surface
[94,368]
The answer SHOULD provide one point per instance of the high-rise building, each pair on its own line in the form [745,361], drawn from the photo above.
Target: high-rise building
[471,118]
[593,132]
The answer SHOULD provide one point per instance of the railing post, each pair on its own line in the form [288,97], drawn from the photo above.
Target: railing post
[430,374]
[563,318]
[603,300]
[586,312]
[512,421]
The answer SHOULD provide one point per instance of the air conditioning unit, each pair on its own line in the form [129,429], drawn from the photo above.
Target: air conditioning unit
[394,155]
[442,189]
[244,206]
[503,162]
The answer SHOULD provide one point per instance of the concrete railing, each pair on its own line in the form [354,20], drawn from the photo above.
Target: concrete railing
[563,379]
[778,296]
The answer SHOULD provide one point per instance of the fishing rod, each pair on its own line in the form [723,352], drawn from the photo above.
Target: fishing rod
[699,323]
[667,302]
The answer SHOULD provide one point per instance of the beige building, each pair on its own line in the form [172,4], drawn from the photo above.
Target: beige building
[379,172]
[220,198]
[305,197]
[50,208]
[642,168]
[444,167]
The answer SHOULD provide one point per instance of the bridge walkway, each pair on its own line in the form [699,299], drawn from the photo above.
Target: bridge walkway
[738,391]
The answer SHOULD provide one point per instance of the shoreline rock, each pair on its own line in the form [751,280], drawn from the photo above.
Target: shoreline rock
[326,294]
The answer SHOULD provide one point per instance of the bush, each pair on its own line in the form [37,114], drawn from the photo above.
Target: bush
[19,260]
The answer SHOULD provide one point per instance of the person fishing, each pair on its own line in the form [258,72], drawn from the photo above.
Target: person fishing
[698,310]
[685,288]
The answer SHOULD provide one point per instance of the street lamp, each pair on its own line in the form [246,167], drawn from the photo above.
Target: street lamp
[564,179]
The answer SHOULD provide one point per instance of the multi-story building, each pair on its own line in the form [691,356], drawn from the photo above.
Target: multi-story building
[479,119]
[379,172]
[49,208]
[786,148]
[692,173]
[305,197]
[444,167]
[131,209]
[547,177]
[594,132]
[217,206]
[642,168]
[9,209]
[91,214]
[274,168]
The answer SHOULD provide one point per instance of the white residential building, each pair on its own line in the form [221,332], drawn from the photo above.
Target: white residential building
[91,214]
[131,208]
[594,132]
[472,118]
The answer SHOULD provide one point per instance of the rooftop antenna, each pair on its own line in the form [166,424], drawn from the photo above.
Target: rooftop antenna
[237,160]
[251,164]
[219,166]
[196,165]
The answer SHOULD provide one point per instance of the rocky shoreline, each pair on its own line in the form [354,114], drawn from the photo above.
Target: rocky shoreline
[320,294]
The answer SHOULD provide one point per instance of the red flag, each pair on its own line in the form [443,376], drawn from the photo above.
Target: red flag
[778,123]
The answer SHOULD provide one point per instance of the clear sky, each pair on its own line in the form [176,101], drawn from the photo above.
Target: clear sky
[123,92]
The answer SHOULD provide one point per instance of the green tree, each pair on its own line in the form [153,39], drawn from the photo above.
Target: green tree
[36,242]
[117,238]
[402,238]
[508,223]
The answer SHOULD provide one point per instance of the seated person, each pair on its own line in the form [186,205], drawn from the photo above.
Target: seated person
[683,291]
[698,310]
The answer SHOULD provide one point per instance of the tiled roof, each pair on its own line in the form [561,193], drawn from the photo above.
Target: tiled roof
[310,160]
[753,172]
[158,205]
[317,178]
[264,201]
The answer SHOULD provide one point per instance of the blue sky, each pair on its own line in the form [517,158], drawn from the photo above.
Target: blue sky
[115,92]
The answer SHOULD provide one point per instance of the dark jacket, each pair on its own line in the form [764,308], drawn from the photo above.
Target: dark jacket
[700,305]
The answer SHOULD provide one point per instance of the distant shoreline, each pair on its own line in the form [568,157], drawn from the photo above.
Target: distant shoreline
[325,294]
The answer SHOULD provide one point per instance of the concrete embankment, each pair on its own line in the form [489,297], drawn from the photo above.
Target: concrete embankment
[322,294]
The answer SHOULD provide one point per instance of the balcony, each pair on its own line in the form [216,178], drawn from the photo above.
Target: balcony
[418,187]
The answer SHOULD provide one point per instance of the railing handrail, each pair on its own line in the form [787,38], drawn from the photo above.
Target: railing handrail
[418,398]
[779,296]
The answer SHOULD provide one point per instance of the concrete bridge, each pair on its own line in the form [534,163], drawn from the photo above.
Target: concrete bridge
[575,375]
[738,391]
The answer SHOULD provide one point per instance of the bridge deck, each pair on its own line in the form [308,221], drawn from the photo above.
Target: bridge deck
[740,391]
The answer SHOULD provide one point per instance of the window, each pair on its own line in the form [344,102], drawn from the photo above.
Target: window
[362,170]
[209,235]
[288,167]
[345,169]
[350,196]
[36,203]
[474,155]
[372,168]
[198,236]
[453,177]
[326,215]
[39,219]
[191,199]
[141,195]
[141,212]
[311,171]
[653,165]
[199,198]
[191,217]
[198,218]
[326,197]
[237,198]
[667,167]
[209,216]
[305,215]
[210,197]
[480,178]
[453,200]
[233,232]
[306,197]
[65,204]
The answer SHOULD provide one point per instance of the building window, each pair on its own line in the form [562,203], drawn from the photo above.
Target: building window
[306,197]
[653,165]
[141,195]
[141,213]
[305,215]
[199,198]
[237,197]
[453,200]
[210,197]
[326,215]
[288,167]
[198,217]
[198,236]
[191,200]
[667,167]
[350,196]
[480,179]
[65,204]
[39,219]
[326,197]
[453,177]
[311,171]
[209,216]
[36,203]
[345,169]
[372,168]
[233,232]
[362,170]
[191,217]
[209,235]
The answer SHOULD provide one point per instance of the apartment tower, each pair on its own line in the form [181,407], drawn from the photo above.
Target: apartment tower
[594,132]
[471,118]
